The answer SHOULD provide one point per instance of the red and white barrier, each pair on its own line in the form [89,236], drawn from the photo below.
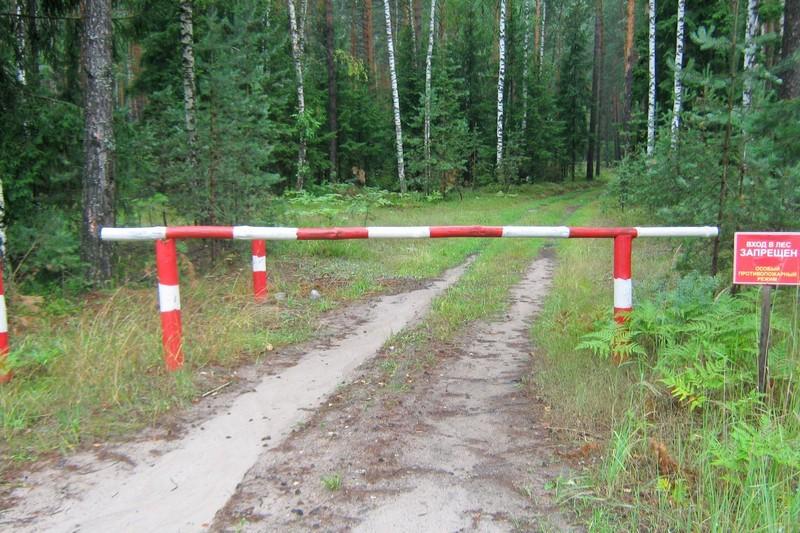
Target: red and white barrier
[169,296]
[259,249]
[5,374]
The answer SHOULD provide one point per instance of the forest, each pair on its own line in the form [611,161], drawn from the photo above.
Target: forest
[314,113]
[145,110]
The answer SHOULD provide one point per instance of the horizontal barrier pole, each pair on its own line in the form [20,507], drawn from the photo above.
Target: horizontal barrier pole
[393,232]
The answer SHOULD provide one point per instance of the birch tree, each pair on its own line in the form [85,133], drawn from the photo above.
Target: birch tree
[651,100]
[398,127]
[296,32]
[526,46]
[750,53]
[189,89]
[428,61]
[541,31]
[678,88]
[501,78]
[98,166]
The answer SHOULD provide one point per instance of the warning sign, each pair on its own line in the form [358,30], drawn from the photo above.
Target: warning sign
[766,258]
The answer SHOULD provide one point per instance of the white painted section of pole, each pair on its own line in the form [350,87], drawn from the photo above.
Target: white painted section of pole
[389,232]
[561,232]
[169,298]
[264,233]
[259,263]
[3,315]
[688,231]
[133,234]
[623,293]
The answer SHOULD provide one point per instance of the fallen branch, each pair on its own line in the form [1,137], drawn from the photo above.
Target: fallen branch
[216,389]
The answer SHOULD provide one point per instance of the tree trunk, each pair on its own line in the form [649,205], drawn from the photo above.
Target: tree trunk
[749,53]
[678,88]
[428,60]
[413,28]
[333,126]
[369,45]
[526,49]
[651,101]
[537,27]
[629,61]
[297,57]
[541,42]
[501,78]
[189,90]
[98,166]
[600,61]
[21,43]
[598,13]
[398,127]
[791,43]
[32,42]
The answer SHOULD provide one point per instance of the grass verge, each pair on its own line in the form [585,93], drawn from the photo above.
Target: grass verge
[716,458]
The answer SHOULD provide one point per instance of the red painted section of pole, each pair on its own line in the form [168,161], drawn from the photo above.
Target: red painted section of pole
[259,250]
[439,232]
[200,232]
[169,303]
[5,374]
[330,234]
[601,233]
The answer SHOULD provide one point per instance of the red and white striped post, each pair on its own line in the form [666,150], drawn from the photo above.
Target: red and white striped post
[259,248]
[623,288]
[169,303]
[5,374]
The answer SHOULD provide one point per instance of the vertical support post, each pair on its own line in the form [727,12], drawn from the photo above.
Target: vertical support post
[169,303]
[763,337]
[623,289]
[259,249]
[5,374]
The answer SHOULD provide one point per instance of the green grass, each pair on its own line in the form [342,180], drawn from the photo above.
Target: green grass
[332,482]
[90,370]
[631,412]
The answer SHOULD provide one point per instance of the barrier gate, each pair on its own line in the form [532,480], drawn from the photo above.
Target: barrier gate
[167,264]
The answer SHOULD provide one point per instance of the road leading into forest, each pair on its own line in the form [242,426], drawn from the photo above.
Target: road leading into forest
[141,487]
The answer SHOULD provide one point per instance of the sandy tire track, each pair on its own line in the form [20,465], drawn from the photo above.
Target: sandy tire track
[179,484]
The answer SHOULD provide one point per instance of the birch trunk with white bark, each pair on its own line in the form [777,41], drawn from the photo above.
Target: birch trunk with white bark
[541,41]
[678,88]
[428,68]
[189,86]
[21,44]
[501,78]
[526,46]
[750,53]
[297,57]
[398,127]
[651,100]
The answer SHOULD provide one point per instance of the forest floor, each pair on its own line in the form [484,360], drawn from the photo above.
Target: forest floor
[408,411]
[307,440]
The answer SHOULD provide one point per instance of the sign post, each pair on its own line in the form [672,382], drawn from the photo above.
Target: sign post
[766,259]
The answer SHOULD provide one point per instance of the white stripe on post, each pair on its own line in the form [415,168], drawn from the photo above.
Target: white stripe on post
[3,316]
[133,234]
[678,231]
[390,232]
[259,263]
[623,294]
[169,298]
[536,231]
[269,234]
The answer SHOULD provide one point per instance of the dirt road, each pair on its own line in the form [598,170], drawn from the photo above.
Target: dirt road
[460,452]
[313,445]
